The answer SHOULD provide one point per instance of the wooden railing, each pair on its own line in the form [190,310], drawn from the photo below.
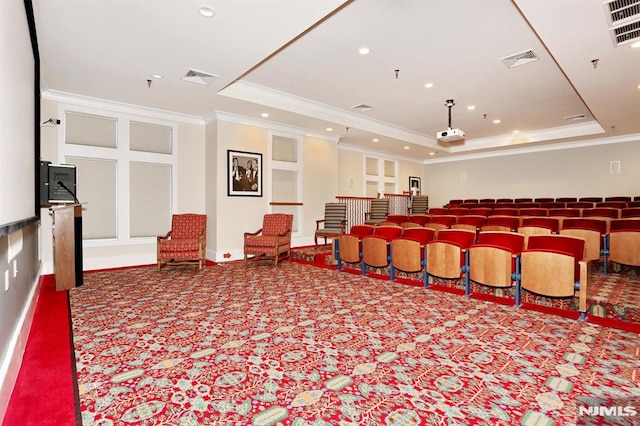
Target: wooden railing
[358,206]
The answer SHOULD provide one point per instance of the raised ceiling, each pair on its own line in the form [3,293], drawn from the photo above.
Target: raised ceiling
[298,61]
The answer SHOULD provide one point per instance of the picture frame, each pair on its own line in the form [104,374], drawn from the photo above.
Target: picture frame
[414,185]
[240,182]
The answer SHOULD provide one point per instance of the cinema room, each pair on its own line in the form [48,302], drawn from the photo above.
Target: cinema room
[320,212]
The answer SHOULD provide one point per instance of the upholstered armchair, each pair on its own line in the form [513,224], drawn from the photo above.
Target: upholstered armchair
[185,243]
[334,222]
[272,240]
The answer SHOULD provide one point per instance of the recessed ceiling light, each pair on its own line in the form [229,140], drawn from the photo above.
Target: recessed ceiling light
[635,45]
[428,85]
[206,11]
[496,121]
[329,129]
[364,51]
[471,107]
[432,153]
[264,115]
[516,131]
[156,75]
[405,147]
[376,140]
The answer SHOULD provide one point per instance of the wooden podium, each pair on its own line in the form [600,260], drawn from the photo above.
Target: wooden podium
[67,246]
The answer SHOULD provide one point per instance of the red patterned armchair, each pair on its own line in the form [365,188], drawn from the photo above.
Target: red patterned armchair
[272,240]
[185,243]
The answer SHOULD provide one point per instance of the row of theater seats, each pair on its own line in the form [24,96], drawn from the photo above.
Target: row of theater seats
[559,202]
[603,211]
[553,262]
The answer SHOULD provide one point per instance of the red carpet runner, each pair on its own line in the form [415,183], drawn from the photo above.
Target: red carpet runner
[44,392]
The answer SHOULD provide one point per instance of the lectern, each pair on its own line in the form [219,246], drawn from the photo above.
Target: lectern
[67,246]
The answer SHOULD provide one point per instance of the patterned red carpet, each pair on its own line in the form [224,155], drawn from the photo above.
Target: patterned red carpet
[302,345]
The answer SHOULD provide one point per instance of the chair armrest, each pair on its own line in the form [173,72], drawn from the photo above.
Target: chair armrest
[343,226]
[318,222]
[163,237]
[249,234]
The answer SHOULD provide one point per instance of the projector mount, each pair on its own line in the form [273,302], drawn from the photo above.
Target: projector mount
[449,103]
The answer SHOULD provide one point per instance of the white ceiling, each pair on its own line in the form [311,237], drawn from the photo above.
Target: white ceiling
[298,61]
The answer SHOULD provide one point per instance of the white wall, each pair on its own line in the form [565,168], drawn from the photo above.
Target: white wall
[577,172]
[236,215]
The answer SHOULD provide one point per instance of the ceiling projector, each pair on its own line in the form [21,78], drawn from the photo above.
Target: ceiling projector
[450,135]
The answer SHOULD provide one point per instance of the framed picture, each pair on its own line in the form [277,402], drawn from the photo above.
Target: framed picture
[244,173]
[414,185]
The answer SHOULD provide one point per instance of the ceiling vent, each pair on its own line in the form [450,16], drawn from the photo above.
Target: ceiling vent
[518,59]
[199,77]
[624,20]
[363,107]
[575,117]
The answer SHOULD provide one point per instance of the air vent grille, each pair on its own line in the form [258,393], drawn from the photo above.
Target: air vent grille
[627,33]
[575,117]
[362,107]
[624,21]
[622,11]
[518,59]
[199,77]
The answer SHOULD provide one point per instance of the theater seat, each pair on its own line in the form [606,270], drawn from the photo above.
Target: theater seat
[349,246]
[447,254]
[494,260]
[408,250]
[624,242]
[553,266]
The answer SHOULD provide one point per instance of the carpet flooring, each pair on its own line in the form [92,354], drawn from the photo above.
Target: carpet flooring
[302,345]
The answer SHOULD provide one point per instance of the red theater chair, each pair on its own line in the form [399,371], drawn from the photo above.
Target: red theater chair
[594,233]
[349,246]
[458,211]
[538,226]
[580,205]
[396,218]
[624,242]
[630,212]
[501,223]
[591,199]
[481,211]
[504,211]
[552,205]
[438,211]
[566,199]
[618,198]
[407,250]
[537,212]
[544,200]
[552,266]
[440,222]
[494,260]
[612,204]
[420,219]
[470,223]
[375,247]
[447,255]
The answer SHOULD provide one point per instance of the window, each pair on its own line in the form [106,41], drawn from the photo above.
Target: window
[126,172]
[380,176]
[286,176]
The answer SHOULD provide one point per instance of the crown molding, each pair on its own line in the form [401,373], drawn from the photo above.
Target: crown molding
[89,102]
